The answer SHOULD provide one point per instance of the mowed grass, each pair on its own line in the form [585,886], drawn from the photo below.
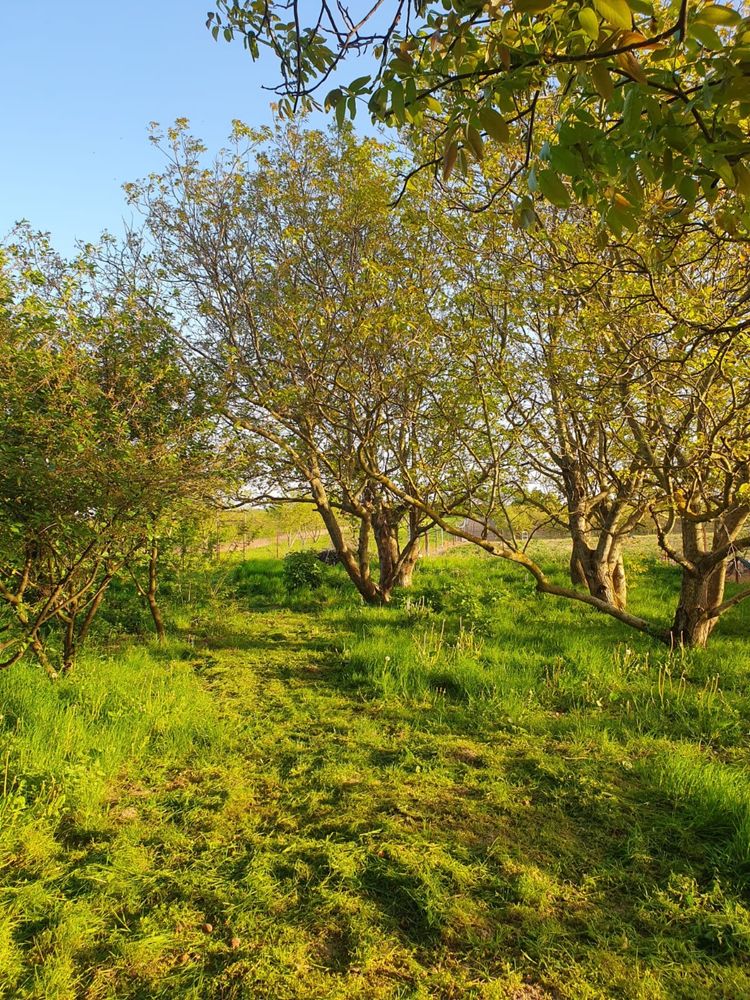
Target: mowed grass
[478,792]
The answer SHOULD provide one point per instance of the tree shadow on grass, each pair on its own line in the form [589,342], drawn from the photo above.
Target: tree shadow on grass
[542,857]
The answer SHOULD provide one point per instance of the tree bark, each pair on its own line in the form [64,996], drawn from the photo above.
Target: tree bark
[385,529]
[153,586]
[396,564]
[596,560]
[700,594]
[620,582]
[410,552]
[74,637]
[409,559]
[69,643]
[357,567]
[702,587]
[602,574]
[577,575]
[41,655]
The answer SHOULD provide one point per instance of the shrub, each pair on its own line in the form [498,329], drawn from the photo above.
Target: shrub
[302,570]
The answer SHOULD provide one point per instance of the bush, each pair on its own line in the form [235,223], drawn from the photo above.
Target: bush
[302,570]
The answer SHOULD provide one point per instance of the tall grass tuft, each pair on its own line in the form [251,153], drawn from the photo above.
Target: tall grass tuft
[61,745]
[715,797]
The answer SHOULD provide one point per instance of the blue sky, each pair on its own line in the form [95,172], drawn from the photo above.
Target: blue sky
[80,83]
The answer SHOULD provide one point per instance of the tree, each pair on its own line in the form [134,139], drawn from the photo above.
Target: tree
[615,383]
[64,505]
[167,417]
[689,409]
[642,96]
[93,451]
[297,284]
[545,355]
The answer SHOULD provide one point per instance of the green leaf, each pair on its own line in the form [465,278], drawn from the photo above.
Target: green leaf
[706,36]
[688,189]
[566,161]
[332,98]
[589,22]
[723,168]
[553,188]
[449,159]
[712,13]
[359,84]
[616,12]
[397,102]
[494,125]
[631,109]
[742,176]
[619,218]
[401,66]
[676,137]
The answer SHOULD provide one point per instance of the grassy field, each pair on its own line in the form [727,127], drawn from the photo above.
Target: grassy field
[476,793]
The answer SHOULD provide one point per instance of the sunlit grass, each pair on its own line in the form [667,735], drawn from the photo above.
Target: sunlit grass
[477,792]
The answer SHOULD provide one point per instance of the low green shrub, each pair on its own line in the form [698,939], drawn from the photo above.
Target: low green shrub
[302,571]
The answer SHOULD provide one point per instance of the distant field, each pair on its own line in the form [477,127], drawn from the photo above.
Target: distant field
[438,542]
[476,793]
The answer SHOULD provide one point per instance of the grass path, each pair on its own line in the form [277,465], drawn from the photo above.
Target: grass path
[352,847]
[316,839]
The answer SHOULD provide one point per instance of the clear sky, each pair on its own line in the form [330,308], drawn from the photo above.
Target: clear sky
[80,82]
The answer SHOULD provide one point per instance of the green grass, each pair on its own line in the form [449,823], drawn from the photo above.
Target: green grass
[475,793]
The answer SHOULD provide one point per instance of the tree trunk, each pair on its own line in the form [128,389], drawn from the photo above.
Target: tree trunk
[153,586]
[93,607]
[396,564]
[620,582]
[386,540]
[358,569]
[74,636]
[596,560]
[700,593]
[410,552]
[69,643]
[41,655]
[409,559]
[703,583]
[577,575]
[604,577]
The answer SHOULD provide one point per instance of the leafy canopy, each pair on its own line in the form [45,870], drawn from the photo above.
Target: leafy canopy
[643,95]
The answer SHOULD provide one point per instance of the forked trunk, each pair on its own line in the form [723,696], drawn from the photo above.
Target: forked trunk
[410,552]
[700,593]
[603,576]
[396,564]
[76,631]
[386,540]
[577,574]
[357,567]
